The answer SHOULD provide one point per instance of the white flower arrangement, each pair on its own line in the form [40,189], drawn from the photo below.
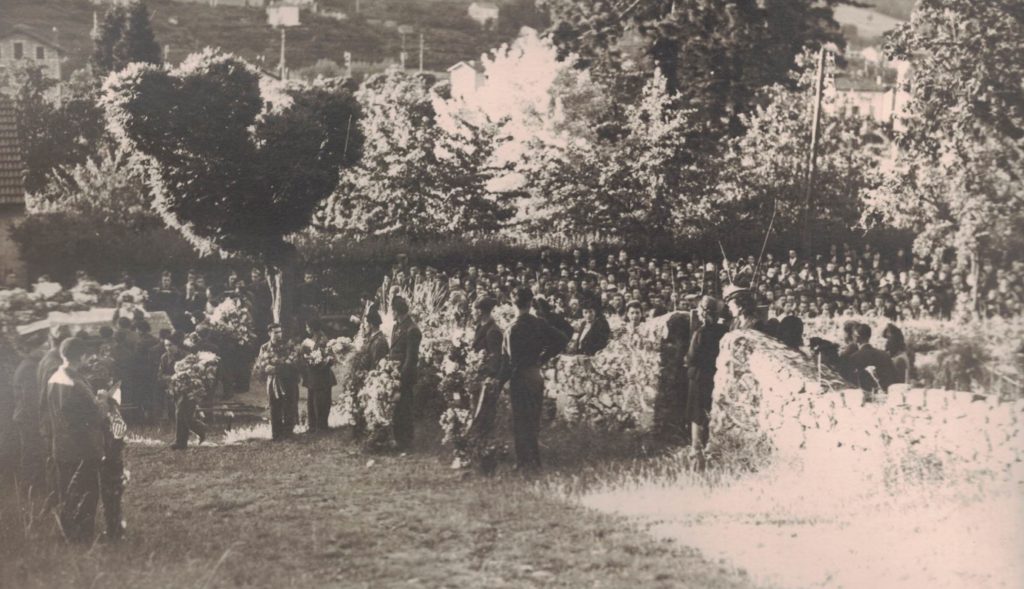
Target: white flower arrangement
[195,375]
[378,396]
[234,321]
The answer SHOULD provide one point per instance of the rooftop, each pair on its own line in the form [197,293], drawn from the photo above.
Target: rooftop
[12,168]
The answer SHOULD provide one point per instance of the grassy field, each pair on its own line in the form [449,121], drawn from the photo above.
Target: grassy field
[314,512]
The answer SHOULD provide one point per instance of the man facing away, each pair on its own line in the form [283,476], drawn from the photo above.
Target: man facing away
[529,343]
[78,436]
[405,350]
[874,368]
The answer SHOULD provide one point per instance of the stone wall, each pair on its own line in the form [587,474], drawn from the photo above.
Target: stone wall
[773,401]
[614,387]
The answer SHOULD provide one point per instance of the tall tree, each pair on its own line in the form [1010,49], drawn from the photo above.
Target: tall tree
[958,176]
[234,165]
[124,36]
[642,182]
[56,131]
[764,171]
[715,55]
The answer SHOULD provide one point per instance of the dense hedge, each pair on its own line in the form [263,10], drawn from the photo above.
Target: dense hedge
[59,245]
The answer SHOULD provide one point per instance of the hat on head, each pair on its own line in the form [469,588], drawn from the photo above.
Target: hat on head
[732,291]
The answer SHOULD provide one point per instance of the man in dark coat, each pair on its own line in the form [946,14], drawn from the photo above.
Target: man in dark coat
[318,379]
[554,319]
[595,332]
[873,367]
[671,424]
[701,361]
[376,346]
[487,340]
[26,436]
[168,299]
[529,343]
[743,307]
[405,350]
[78,429]
[278,364]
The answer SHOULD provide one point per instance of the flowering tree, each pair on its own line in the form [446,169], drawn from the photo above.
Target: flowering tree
[417,178]
[233,163]
[639,182]
[958,175]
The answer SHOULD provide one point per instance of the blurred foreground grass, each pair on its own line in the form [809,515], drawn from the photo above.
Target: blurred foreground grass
[314,512]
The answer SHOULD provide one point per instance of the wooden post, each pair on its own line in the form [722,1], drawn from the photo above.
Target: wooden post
[421,52]
[812,156]
[283,29]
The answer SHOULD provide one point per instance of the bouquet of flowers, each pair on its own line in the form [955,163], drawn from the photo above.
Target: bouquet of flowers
[454,423]
[315,354]
[233,321]
[377,398]
[132,295]
[195,375]
[340,347]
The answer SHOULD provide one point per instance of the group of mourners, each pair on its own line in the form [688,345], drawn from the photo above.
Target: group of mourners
[70,431]
[845,281]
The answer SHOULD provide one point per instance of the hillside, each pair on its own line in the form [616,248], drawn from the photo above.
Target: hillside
[449,36]
[899,9]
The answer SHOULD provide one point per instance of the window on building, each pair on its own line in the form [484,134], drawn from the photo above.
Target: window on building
[40,52]
[19,50]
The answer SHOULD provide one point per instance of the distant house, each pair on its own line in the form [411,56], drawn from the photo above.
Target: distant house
[870,99]
[466,78]
[12,188]
[283,15]
[23,45]
[484,13]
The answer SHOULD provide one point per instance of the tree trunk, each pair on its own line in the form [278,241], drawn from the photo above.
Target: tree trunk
[280,273]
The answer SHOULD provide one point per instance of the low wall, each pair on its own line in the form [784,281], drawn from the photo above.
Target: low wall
[775,401]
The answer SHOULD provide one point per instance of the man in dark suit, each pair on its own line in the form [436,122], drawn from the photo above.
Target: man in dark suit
[873,367]
[318,379]
[405,350]
[701,362]
[545,312]
[529,343]
[278,364]
[487,340]
[595,332]
[170,300]
[78,433]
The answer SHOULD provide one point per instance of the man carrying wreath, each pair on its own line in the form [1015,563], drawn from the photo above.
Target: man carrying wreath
[277,363]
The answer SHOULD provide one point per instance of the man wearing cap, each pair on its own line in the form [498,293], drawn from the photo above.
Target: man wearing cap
[78,429]
[405,350]
[278,364]
[529,343]
[743,308]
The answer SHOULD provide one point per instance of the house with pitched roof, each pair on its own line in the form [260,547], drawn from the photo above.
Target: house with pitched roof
[22,45]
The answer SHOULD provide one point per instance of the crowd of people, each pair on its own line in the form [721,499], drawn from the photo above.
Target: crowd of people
[71,432]
[843,282]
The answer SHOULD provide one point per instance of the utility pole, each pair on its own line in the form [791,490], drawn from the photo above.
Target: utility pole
[421,52]
[283,71]
[812,156]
